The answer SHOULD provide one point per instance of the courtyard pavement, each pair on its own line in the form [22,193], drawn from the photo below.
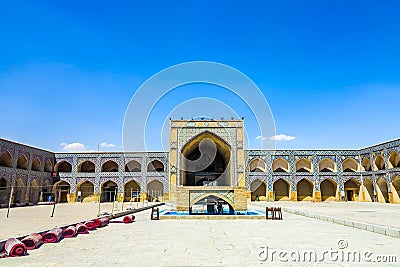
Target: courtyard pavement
[384,214]
[202,242]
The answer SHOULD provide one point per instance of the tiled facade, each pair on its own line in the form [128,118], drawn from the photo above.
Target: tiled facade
[374,170]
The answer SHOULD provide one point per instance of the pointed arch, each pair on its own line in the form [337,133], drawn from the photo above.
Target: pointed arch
[131,191]
[86,166]
[34,193]
[206,166]
[379,163]
[370,188]
[155,166]
[280,165]
[352,189]
[20,190]
[366,164]
[326,165]
[36,165]
[63,166]
[305,190]
[5,190]
[6,160]
[22,162]
[394,159]
[48,166]
[87,190]
[109,191]
[155,190]
[133,166]
[381,183]
[109,166]
[328,190]
[214,196]
[350,165]
[303,165]
[258,189]
[396,184]
[281,189]
[257,165]
[62,188]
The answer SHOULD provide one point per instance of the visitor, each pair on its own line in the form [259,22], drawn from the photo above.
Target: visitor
[219,208]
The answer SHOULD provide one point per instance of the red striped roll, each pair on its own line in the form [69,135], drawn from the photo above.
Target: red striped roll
[69,232]
[15,248]
[32,241]
[52,236]
[82,229]
[90,225]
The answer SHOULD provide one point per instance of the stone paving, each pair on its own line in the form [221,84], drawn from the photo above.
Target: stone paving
[367,212]
[210,243]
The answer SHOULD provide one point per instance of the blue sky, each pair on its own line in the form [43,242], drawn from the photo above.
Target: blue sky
[329,70]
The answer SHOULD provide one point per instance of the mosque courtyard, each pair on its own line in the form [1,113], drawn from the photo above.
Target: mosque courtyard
[289,242]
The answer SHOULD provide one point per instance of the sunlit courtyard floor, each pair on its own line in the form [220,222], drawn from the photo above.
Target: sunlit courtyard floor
[194,242]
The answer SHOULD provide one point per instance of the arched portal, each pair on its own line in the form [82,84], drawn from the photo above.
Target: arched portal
[211,204]
[133,166]
[326,165]
[63,166]
[86,190]
[34,193]
[394,160]
[280,165]
[396,184]
[61,189]
[132,191]
[155,166]
[381,183]
[155,191]
[370,188]
[281,189]
[22,162]
[5,190]
[257,165]
[36,164]
[20,189]
[197,169]
[350,165]
[109,166]
[328,190]
[48,166]
[258,189]
[6,159]
[366,164]
[303,165]
[379,163]
[304,190]
[109,191]
[86,166]
[352,189]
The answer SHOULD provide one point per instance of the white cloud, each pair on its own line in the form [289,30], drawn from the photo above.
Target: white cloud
[74,147]
[282,137]
[104,144]
[262,138]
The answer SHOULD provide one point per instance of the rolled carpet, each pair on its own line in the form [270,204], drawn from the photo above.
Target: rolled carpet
[101,222]
[52,236]
[129,218]
[69,232]
[82,229]
[32,241]
[15,248]
[90,225]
